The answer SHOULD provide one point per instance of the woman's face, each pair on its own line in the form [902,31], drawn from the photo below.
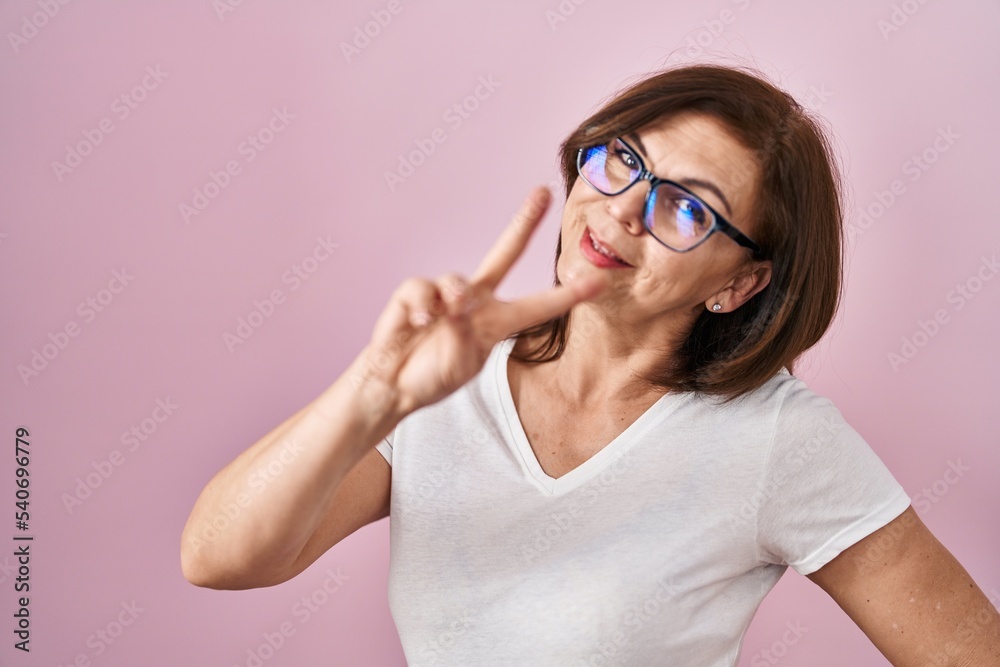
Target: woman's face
[685,146]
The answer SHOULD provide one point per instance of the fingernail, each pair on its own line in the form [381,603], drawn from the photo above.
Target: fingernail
[420,319]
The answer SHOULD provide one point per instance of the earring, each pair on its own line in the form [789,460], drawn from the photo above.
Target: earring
[717,307]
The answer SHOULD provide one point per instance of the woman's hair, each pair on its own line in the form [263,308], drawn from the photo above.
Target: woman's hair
[797,223]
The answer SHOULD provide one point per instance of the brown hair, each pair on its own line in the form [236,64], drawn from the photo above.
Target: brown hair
[798,224]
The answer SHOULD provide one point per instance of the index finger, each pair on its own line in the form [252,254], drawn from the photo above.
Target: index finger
[513,239]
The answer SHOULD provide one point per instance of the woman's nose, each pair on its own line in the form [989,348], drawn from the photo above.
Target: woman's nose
[627,207]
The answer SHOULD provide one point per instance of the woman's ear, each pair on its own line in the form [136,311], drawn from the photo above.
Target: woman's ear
[742,288]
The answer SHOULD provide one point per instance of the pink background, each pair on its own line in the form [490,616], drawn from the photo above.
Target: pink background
[162,336]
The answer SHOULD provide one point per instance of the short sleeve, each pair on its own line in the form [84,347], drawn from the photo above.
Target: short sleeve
[823,487]
[385,447]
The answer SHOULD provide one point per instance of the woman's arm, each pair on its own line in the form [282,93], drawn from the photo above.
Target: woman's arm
[253,519]
[913,599]
[275,508]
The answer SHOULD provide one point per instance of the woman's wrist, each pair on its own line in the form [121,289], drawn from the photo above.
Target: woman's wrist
[371,396]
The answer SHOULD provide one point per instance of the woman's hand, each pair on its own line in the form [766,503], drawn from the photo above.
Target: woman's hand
[434,336]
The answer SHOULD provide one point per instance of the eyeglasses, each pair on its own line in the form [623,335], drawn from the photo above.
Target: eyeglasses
[672,214]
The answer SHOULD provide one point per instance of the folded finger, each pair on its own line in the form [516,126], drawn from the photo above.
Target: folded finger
[421,299]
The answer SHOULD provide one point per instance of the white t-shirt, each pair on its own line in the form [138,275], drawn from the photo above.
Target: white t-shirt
[656,551]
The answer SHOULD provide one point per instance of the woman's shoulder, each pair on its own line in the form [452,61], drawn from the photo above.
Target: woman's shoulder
[783,396]
[798,412]
[772,393]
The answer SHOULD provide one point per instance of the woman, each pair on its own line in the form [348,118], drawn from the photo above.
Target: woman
[619,469]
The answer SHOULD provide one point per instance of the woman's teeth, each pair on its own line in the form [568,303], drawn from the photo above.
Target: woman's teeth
[605,252]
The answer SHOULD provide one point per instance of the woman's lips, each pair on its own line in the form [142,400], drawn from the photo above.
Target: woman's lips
[595,256]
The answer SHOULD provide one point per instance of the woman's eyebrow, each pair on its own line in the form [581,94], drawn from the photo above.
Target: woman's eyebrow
[689,182]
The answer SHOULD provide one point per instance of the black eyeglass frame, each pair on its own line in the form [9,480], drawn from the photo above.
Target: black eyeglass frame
[719,222]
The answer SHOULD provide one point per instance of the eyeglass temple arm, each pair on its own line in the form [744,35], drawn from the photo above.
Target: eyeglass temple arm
[729,230]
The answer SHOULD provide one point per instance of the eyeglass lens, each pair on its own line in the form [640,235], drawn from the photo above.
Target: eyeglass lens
[674,216]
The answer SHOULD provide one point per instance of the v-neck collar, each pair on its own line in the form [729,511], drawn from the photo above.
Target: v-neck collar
[555,486]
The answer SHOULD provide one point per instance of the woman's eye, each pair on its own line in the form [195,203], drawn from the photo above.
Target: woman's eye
[627,159]
[692,210]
